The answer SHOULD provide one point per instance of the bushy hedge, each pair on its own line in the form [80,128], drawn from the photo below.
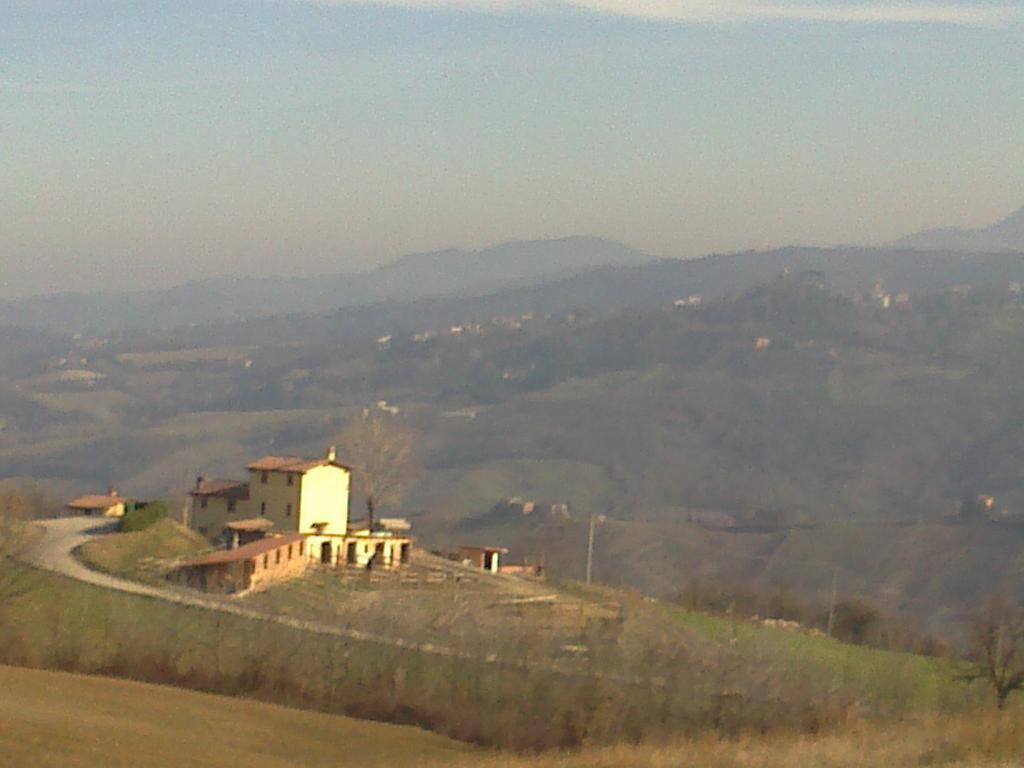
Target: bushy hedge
[142,515]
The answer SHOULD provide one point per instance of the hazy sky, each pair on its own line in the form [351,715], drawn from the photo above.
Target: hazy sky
[147,143]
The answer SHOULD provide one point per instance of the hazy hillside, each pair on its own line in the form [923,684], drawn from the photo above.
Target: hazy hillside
[806,401]
[436,290]
[444,273]
[605,291]
[1005,235]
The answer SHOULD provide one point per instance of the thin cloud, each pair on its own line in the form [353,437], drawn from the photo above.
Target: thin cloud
[734,11]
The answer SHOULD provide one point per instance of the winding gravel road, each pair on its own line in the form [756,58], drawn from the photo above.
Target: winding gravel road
[54,551]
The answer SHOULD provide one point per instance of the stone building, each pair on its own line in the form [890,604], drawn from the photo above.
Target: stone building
[248,568]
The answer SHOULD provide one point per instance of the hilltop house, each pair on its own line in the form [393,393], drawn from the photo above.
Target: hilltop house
[109,504]
[300,496]
[295,494]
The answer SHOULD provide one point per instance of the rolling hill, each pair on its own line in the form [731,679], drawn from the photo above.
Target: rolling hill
[607,291]
[1004,235]
[442,273]
[668,418]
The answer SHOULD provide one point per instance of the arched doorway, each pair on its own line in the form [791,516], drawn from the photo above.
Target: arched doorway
[325,553]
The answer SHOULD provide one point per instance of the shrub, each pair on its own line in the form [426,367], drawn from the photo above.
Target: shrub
[142,515]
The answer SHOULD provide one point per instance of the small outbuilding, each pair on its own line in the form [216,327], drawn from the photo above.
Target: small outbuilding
[250,567]
[108,504]
[485,558]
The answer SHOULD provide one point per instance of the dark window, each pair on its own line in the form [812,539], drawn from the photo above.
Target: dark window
[302,548]
[266,561]
[289,551]
[291,479]
[288,510]
[264,477]
[231,505]
[277,556]
[263,508]
[202,502]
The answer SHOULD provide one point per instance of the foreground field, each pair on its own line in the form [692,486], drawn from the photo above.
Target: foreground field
[977,742]
[522,666]
[76,721]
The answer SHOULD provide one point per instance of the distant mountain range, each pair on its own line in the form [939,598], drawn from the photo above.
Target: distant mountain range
[605,291]
[1005,235]
[448,287]
[426,275]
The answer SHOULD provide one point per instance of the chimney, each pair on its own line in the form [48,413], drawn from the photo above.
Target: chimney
[332,453]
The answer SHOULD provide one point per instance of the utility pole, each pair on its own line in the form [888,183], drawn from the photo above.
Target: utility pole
[590,547]
[832,602]
[594,520]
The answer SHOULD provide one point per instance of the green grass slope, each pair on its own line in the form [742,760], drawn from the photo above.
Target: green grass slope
[657,672]
[77,721]
[142,555]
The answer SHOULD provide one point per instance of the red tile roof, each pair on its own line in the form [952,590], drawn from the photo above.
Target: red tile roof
[231,489]
[96,501]
[274,463]
[474,548]
[248,551]
[291,464]
[250,524]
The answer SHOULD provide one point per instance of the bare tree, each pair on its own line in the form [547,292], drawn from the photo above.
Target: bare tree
[382,454]
[996,635]
[18,505]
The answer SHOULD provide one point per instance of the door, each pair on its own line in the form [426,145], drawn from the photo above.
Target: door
[325,553]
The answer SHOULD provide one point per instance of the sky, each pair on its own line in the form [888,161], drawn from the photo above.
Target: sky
[144,144]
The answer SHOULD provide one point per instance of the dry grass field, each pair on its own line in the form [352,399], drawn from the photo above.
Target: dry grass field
[991,741]
[76,721]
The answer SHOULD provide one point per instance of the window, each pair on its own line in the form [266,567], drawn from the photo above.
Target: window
[203,502]
[291,479]
[263,508]
[289,551]
[264,477]
[277,557]
[231,505]
[288,509]
[302,548]
[266,561]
